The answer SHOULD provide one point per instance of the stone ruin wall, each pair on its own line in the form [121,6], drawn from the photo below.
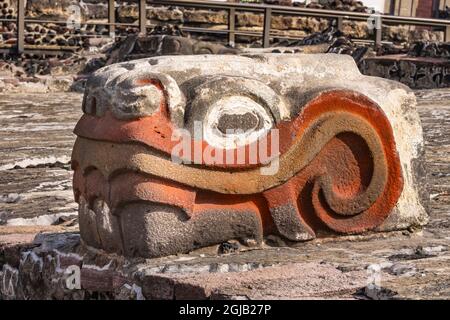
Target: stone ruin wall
[127,12]
[291,26]
[29,65]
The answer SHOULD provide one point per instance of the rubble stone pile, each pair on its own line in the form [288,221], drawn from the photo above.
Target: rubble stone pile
[171,41]
[333,40]
[341,5]
[93,11]
[33,64]
[8,9]
[56,34]
[290,26]
[7,29]
[430,49]
[426,65]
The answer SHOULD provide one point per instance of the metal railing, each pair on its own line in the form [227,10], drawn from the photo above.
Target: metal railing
[231,32]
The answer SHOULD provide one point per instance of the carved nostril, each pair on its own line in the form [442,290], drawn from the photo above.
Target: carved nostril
[146,82]
[139,93]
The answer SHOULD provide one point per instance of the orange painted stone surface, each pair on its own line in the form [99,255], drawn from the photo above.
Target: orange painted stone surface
[177,153]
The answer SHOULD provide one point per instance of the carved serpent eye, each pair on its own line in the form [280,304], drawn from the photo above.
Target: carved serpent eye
[236,121]
[241,111]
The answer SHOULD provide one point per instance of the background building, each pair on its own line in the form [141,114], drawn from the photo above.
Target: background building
[415,8]
[378,5]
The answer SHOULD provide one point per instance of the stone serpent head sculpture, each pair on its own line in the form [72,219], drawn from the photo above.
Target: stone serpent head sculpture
[180,152]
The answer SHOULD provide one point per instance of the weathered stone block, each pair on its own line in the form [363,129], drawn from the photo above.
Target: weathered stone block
[173,152]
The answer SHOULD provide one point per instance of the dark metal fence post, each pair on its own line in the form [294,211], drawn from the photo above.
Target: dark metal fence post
[266,31]
[20,26]
[111,18]
[143,16]
[231,26]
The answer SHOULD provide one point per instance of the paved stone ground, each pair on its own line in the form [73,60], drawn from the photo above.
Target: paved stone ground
[35,188]
[35,145]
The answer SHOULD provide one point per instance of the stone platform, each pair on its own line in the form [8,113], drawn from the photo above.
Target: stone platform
[408,265]
[412,264]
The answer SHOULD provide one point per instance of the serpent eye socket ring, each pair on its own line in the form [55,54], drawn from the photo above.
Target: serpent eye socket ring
[240,112]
